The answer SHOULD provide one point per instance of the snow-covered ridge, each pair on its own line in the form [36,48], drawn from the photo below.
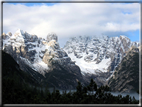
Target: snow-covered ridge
[93,54]
[30,48]
[42,55]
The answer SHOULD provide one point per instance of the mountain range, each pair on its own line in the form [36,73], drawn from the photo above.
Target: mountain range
[81,59]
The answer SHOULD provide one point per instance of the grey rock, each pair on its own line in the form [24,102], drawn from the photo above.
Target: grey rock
[126,76]
[4,36]
[54,45]
[9,33]
[88,58]
[52,36]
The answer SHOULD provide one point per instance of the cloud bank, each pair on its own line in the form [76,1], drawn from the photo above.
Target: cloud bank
[72,19]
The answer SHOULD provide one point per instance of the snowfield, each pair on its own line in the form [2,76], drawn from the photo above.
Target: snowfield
[90,67]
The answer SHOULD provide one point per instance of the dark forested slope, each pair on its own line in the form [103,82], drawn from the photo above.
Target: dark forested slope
[15,82]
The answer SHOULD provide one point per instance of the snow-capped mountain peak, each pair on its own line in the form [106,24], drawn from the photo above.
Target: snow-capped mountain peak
[98,53]
[19,32]
[38,53]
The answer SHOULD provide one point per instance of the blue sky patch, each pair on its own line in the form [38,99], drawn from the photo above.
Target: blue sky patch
[126,12]
[134,35]
[34,4]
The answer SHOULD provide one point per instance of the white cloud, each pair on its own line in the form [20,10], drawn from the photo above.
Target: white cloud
[72,19]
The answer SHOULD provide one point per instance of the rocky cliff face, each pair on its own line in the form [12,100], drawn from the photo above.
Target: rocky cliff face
[98,56]
[43,56]
[126,76]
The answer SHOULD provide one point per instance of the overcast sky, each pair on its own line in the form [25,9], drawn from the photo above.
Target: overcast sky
[73,19]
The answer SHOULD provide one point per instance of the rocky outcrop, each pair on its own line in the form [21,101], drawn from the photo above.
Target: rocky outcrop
[52,36]
[4,36]
[126,76]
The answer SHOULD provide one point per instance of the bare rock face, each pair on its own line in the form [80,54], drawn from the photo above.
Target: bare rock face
[44,42]
[9,33]
[88,58]
[52,52]
[52,36]
[126,76]
[33,38]
[56,57]
[47,57]
[4,36]
[125,42]
[53,44]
